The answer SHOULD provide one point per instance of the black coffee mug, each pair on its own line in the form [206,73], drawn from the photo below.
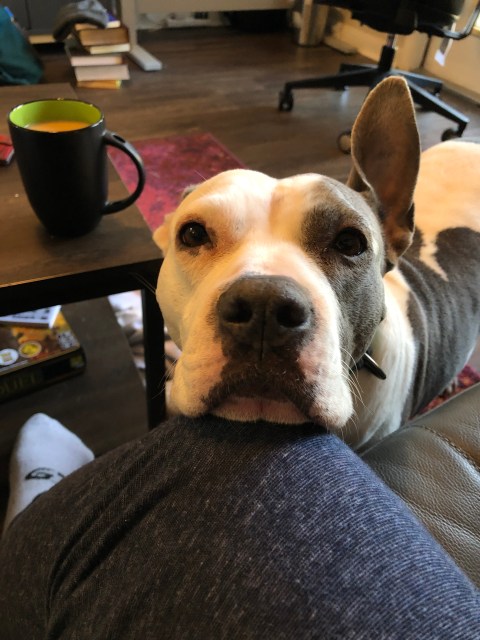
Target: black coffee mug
[60,146]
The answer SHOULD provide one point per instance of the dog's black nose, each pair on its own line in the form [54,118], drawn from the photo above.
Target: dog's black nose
[265,311]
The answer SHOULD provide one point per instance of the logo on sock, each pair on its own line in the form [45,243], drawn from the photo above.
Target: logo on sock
[44,473]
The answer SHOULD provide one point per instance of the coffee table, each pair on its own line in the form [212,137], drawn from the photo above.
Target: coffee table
[37,270]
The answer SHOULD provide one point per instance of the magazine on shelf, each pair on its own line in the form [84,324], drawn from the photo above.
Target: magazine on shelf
[32,357]
[44,317]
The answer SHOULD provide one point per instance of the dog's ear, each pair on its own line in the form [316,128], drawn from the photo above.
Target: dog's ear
[188,190]
[386,155]
[160,235]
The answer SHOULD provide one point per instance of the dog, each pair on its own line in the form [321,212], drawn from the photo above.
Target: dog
[306,300]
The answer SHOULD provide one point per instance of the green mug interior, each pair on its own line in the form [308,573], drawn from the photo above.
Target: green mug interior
[50,110]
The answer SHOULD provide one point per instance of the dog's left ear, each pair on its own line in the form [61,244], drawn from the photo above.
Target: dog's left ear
[386,156]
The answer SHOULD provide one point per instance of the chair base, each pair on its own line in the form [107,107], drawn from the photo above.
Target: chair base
[424,90]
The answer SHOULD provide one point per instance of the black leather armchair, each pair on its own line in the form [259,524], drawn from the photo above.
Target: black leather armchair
[433,464]
[396,17]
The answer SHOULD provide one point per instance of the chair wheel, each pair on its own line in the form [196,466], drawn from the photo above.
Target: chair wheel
[344,141]
[449,134]
[286,101]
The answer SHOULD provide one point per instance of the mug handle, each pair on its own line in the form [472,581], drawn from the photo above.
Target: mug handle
[117,141]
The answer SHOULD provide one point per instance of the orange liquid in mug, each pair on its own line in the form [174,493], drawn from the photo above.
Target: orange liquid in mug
[55,126]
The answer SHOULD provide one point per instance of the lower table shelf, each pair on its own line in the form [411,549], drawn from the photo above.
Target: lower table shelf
[104,406]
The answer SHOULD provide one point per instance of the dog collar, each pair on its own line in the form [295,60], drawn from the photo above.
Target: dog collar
[367,362]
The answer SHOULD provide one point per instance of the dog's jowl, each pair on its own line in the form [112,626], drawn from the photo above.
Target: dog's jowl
[304,299]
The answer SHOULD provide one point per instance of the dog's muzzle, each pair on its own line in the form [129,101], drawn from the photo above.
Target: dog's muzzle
[261,315]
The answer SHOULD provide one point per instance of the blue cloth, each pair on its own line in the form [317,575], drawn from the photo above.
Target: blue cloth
[214,530]
[19,64]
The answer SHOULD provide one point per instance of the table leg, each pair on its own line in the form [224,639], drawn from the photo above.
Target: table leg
[154,345]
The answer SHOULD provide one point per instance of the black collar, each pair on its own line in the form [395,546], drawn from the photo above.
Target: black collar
[367,362]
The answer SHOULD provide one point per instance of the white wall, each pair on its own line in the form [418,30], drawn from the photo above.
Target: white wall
[461,68]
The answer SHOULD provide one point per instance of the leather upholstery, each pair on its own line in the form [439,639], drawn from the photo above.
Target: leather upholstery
[433,463]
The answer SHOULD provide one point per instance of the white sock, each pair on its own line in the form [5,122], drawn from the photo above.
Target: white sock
[44,453]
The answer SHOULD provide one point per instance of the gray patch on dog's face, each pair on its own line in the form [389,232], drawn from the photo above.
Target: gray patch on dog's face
[356,280]
[444,314]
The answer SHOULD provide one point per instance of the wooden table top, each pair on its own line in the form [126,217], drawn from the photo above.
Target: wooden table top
[29,255]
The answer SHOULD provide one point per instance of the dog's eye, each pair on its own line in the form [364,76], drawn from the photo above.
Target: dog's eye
[193,234]
[350,242]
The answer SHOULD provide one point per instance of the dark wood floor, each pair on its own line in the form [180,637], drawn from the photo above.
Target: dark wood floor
[227,82]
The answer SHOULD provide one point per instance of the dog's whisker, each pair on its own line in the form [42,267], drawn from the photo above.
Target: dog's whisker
[148,286]
[199,174]
[353,384]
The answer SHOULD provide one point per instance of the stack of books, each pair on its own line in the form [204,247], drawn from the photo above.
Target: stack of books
[37,349]
[97,55]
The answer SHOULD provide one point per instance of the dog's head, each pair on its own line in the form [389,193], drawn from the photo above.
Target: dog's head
[273,288]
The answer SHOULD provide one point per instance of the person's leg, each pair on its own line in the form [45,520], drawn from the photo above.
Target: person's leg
[212,529]
[44,453]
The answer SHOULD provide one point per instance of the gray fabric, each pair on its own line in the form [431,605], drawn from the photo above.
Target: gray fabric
[89,11]
[207,529]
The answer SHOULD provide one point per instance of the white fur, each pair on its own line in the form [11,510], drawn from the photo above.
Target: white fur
[447,194]
[379,403]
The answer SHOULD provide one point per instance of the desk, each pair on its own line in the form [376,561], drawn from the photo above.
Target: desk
[131,9]
[37,270]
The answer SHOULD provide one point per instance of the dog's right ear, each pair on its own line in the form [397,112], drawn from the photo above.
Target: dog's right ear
[160,235]
[188,190]
[386,156]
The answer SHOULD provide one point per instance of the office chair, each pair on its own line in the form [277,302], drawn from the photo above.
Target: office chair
[395,17]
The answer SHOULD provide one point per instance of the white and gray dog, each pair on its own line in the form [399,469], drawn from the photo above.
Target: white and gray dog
[290,299]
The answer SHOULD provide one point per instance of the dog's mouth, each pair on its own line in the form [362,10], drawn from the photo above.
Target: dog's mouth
[254,395]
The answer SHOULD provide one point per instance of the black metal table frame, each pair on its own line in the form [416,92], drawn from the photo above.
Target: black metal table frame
[23,296]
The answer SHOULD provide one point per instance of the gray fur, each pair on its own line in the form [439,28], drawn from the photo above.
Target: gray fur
[444,315]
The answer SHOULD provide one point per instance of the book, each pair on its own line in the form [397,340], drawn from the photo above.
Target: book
[32,358]
[91,36]
[102,72]
[99,84]
[108,48]
[44,317]
[79,57]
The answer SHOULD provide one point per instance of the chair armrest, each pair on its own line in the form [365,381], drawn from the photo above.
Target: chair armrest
[433,463]
[457,35]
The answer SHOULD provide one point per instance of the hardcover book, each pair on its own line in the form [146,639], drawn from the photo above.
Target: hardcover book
[97,36]
[108,48]
[99,84]
[102,72]
[79,57]
[31,358]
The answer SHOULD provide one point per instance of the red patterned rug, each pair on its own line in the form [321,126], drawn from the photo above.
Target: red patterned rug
[176,162]
[466,378]
[171,164]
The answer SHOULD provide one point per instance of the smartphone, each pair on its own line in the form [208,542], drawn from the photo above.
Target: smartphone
[6,150]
